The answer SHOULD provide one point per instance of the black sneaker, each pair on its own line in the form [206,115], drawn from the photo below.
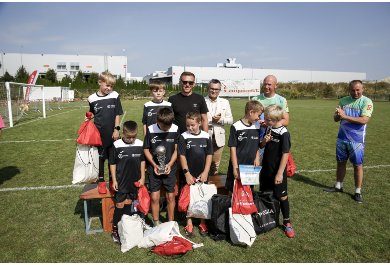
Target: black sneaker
[115,236]
[358,198]
[333,189]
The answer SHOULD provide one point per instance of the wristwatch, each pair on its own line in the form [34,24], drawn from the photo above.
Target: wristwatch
[117,128]
[185,171]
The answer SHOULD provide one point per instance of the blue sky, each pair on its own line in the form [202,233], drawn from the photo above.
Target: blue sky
[350,37]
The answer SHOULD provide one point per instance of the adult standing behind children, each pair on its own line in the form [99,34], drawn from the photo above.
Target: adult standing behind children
[273,175]
[269,97]
[186,101]
[219,114]
[157,89]
[353,113]
[106,107]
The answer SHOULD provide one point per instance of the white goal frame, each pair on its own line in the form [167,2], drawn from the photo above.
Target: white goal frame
[9,100]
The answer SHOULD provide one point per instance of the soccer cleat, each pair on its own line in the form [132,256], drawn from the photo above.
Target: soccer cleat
[102,187]
[203,229]
[189,230]
[289,231]
[358,198]
[333,189]
[115,236]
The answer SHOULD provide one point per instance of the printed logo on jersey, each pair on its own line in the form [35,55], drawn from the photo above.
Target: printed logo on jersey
[110,106]
[155,140]
[150,113]
[241,136]
[170,140]
[96,108]
[195,105]
[135,155]
[121,155]
[189,145]
[254,137]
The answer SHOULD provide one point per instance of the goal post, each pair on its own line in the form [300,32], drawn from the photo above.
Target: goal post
[18,101]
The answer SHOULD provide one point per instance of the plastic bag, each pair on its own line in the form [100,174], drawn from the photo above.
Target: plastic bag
[177,246]
[88,133]
[86,164]
[242,202]
[143,199]
[291,167]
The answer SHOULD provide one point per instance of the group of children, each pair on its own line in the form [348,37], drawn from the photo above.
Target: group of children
[130,157]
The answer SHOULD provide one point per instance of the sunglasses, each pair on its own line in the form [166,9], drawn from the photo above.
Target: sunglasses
[187,82]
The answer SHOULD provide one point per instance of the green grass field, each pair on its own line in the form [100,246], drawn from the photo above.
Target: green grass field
[47,225]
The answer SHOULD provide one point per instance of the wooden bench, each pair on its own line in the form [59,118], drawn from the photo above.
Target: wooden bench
[90,192]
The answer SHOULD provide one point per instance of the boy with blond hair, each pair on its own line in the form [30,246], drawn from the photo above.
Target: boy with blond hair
[106,107]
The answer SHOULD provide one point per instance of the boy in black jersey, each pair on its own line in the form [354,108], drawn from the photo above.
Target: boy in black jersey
[127,165]
[157,89]
[273,175]
[106,108]
[163,133]
[244,142]
[196,153]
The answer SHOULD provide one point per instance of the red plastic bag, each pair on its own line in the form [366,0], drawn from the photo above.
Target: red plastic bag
[291,167]
[143,198]
[177,246]
[184,199]
[242,202]
[88,133]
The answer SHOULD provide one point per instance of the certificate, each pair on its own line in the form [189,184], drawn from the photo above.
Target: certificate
[249,174]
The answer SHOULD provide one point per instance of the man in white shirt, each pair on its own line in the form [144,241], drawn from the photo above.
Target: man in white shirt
[218,115]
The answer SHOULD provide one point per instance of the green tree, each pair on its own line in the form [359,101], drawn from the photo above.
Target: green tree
[6,77]
[93,79]
[79,81]
[51,76]
[21,75]
[65,81]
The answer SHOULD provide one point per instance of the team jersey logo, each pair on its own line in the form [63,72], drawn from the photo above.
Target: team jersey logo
[96,108]
[241,136]
[154,140]
[121,155]
[150,113]
[110,106]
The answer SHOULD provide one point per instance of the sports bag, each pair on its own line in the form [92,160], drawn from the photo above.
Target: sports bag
[291,167]
[242,231]
[177,246]
[86,164]
[200,200]
[268,208]
[88,133]
[242,201]
[219,223]
[131,231]
[143,199]
[184,199]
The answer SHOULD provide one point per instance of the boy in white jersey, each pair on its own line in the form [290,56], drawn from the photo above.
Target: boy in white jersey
[273,175]
[353,113]
[196,152]
[127,165]
[106,107]
[244,142]
[157,89]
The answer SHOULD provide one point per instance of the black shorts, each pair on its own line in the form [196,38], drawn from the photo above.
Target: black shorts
[267,183]
[121,197]
[104,152]
[155,181]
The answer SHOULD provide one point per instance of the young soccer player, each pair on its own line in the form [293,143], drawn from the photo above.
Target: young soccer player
[163,133]
[196,153]
[157,89]
[127,165]
[106,108]
[244,142]
[273,175]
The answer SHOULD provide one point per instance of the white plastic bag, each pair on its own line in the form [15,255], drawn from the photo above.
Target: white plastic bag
[160,234]
[131,231]
[242,231]
[86,164]
[200,200]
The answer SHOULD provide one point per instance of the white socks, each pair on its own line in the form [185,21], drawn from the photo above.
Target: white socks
[357,190]
[339,185]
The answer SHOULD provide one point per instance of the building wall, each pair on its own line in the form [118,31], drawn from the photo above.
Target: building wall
[11,62]
[204,74]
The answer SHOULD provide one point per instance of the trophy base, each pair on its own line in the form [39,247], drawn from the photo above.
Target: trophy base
[161,171]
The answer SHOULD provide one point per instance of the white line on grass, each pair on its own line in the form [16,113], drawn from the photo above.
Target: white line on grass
[35,141]
[81,185]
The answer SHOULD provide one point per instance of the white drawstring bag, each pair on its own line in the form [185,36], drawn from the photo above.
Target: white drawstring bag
[200,200]
[86,164]
[242,231]
[131,231]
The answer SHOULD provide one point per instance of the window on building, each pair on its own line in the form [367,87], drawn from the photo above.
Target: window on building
[74,66]
[61,66]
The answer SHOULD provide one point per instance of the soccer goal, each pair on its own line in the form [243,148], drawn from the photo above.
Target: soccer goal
[19,102]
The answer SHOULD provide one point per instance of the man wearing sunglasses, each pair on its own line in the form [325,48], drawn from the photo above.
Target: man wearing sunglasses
[186,101]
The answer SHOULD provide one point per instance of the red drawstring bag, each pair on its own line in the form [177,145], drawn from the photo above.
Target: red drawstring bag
[242,202]
[88,133]
[184,199]
[177,246]
[143,198]
[291,167]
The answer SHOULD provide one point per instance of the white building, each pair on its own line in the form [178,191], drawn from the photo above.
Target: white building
[235,72]
[63,64]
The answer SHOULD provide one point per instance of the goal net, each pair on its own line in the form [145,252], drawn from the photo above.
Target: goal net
[20,102]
